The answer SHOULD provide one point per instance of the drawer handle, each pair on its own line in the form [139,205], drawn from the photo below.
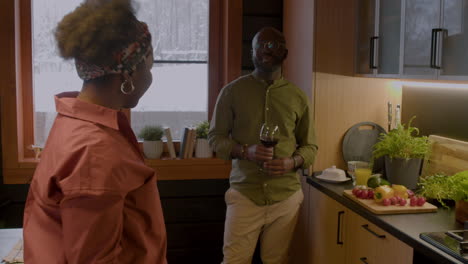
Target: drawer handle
[366,227]
[338,232]
[364,260]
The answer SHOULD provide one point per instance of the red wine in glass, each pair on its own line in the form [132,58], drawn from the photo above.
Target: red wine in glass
[269,143]
[269,135]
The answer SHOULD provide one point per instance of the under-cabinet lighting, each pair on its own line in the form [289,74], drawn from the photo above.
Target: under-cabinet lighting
[431,84]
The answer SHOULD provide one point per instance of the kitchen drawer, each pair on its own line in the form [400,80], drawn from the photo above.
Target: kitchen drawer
[368,243]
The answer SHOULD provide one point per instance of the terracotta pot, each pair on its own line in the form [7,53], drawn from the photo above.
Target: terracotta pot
[461,211]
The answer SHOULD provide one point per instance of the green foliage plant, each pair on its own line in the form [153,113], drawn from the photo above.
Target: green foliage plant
[151,133]
[202,129]
[402,142]
[442,187]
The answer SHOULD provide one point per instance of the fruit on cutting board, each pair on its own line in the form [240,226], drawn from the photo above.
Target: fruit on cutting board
[400,191]
[383,192]
[376,181]
[397,195]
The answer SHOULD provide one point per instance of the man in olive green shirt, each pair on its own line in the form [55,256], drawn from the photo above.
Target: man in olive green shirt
[265,193]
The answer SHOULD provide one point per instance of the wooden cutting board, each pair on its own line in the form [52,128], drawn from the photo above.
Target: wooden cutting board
[448,156]
[376,208]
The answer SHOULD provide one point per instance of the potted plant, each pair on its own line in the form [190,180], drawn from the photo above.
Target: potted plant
[442,187]
[403,152]
[152,144]
[203,149]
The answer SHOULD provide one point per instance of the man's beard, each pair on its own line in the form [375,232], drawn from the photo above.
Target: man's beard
[275,66]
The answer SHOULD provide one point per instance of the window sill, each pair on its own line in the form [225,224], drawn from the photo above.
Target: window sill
[167,169]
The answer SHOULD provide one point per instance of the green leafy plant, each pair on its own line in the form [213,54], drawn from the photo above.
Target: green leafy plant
[151,133]
[402,143]
[443,187]
[202,129]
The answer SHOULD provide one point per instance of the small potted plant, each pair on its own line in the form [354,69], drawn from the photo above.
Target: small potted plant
[443,187]
[403,152]
[152,144]
[203,149]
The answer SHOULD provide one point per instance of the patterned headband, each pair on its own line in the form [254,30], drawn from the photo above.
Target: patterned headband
[126,60]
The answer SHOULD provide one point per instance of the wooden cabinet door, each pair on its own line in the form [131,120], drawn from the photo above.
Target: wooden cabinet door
[365,34]
[366,243]
[326,229]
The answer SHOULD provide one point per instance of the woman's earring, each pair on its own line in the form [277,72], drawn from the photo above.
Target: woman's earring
[122,87]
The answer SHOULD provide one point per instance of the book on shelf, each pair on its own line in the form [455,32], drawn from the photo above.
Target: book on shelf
[170,143]
[183,143]
[192,143]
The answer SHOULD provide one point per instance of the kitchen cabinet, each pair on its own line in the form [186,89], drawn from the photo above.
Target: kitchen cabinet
[367,243]
[378,37]
[326,228]
[412,39]
[454,54]
[435,39]
[341,236]
[421,17]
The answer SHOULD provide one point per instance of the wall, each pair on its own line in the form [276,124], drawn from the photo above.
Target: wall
[256,15]
[342,101]
[439,110]
[298,27]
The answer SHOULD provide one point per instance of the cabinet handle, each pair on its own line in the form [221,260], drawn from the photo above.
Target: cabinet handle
[375,51]
[373,56]
[439,38]
[364,260]
[433,45]
[366,227]
[338,231]
[435,48]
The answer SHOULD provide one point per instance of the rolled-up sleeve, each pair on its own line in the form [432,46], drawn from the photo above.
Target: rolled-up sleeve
[92,226]
[305,138]
[219,135]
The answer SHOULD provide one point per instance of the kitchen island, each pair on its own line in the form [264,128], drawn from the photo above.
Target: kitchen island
[404,227]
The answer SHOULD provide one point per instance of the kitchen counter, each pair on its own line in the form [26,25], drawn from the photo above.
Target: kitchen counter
[405,227]
[8,239]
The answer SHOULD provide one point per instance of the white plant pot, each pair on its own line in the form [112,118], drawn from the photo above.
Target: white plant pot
[203,149]
[153,149]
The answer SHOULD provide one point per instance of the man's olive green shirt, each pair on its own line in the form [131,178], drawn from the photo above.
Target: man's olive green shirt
[242,107]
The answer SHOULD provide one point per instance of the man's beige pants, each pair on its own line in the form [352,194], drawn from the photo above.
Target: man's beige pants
[246,222]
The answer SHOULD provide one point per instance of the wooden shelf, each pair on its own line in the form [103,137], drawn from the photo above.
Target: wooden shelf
[166,169]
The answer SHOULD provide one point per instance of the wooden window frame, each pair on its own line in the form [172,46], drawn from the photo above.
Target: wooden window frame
[16,90]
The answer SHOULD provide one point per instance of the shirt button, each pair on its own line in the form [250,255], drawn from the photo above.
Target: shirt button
[265,185]
[268,109]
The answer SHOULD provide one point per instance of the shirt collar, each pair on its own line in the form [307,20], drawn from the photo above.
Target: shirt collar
[68,104]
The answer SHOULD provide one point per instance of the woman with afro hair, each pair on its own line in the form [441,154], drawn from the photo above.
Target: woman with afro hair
[92,199]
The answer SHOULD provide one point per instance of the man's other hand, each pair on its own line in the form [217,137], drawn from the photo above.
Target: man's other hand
[277,167]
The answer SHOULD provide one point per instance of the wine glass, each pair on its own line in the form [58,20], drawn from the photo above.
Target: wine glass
[269,137]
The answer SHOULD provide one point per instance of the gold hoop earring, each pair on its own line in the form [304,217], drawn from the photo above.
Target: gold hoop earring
[122,87]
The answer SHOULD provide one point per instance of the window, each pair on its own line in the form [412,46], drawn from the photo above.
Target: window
[179,93]
[22,59]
